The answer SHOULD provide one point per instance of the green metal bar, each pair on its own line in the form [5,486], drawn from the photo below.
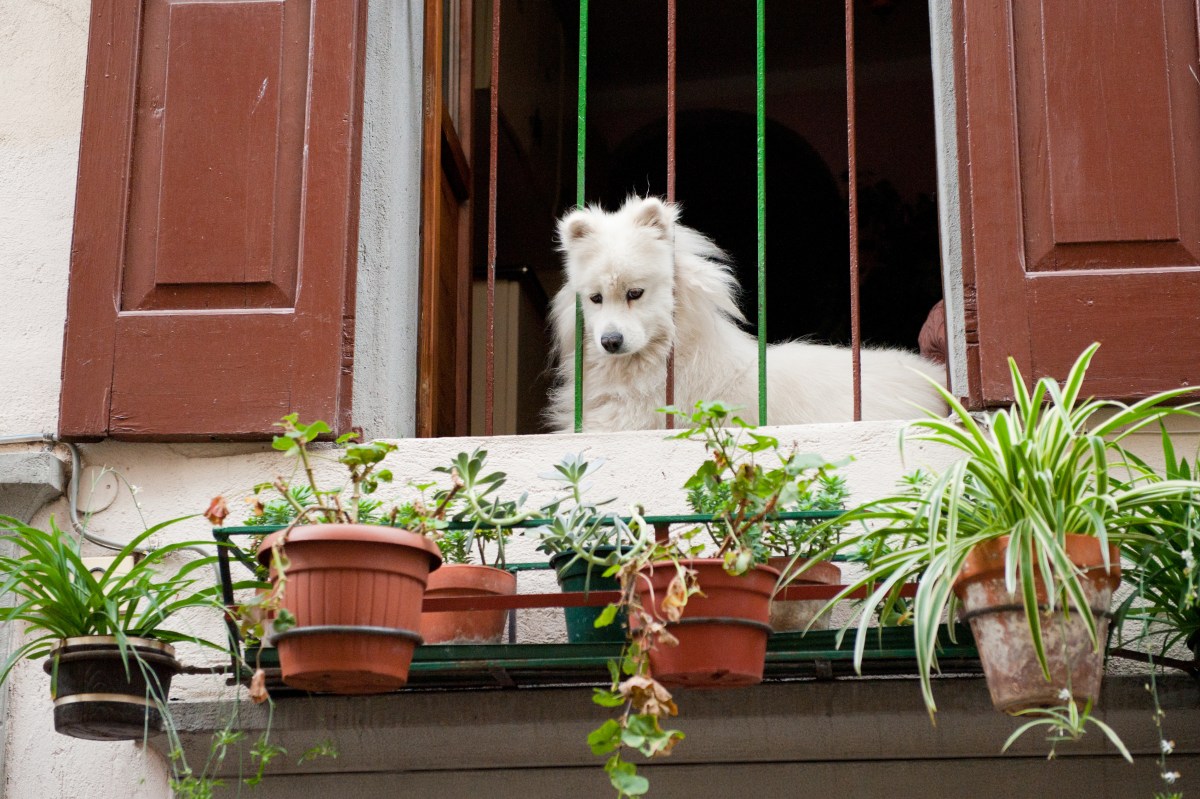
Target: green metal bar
[785,652]
[680,518]
[580,158]
[761,100]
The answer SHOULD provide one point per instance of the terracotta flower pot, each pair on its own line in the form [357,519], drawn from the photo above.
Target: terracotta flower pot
[1005,642]
[467,626]
[722,633]
[356,592]
[97,699]
[790,615]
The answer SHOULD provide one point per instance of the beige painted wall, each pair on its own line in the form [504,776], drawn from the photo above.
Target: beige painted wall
[178,479]
[42,49]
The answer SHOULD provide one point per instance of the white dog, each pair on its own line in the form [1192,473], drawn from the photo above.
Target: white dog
[646,284]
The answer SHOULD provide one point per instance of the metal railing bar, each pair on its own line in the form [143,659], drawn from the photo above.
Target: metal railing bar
[581,142]
[761,159]
[493,169]
[672,48]
[601,598]
[852,168]
[678,518]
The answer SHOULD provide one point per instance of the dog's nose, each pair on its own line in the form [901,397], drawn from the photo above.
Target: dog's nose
[612,341]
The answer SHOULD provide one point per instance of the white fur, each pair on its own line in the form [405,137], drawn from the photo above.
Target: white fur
[689,302]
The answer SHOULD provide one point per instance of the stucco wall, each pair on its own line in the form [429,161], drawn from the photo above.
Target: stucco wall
[385,358]
[42,50]
[178,479]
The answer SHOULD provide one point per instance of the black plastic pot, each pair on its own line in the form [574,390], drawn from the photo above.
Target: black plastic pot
[97,698]
[581,622]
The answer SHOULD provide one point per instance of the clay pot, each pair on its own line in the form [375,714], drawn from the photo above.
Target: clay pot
[791,615]
[1003,637]
[97,699]
[356,592]
[467,626]
[722,633]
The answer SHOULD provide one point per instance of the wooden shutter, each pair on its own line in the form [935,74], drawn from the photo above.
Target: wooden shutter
[1079,130]
[212,268]
[444,329]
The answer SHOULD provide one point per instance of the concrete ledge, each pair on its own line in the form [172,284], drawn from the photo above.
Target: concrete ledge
[765,736]
[28,480]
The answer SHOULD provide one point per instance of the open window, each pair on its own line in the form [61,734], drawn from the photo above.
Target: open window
[807,235]
[213,263]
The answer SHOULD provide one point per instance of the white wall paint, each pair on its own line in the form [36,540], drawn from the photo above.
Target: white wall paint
[42,51]
[945,118]
[42,48]
[385,352]
[179,479]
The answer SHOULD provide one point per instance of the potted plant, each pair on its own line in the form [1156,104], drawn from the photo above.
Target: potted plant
[695,621]
[1019,537]
[578,525]
[791,544]
[470,516]
[1162,614]
[107,637]
[746,496]
[490,520]
[346,595]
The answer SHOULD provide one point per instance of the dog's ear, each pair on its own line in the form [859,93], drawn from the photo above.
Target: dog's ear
[573,227]
[654,214]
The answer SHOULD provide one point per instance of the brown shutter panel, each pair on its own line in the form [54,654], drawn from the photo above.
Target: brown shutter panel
[1079,126]
[212,268]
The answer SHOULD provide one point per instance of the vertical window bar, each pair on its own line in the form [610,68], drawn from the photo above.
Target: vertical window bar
[852,167]
[493,122]
[671,50]
[761,97]
[581,138]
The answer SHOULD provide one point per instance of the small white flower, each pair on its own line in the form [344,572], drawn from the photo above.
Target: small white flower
[1169,777]
[1064,694]
[1167,746]
[1189,558]
[134,489]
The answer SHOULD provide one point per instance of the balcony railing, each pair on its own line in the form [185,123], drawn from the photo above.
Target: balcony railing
[819,654]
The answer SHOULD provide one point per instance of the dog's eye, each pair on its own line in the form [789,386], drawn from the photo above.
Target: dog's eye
[633,294]
[596,298]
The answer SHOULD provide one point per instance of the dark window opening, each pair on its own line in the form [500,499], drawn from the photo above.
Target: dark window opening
[807,183]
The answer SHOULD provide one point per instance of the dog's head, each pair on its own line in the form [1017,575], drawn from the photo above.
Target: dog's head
[621,265]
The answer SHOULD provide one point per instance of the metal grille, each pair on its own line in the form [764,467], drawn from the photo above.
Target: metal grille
[761,161]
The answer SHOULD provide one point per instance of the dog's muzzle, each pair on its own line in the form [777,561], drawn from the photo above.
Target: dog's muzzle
[612,342]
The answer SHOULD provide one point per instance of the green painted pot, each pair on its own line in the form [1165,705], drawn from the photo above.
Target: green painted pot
[581,622]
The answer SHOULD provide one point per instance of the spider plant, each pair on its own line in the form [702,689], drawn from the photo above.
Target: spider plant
[1164,609]
[57,597]
[1043,468]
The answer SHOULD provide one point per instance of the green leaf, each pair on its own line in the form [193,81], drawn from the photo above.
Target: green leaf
[607,616]
[761,443]
[605,698]
[284,620]
[605,738]
[629,782]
